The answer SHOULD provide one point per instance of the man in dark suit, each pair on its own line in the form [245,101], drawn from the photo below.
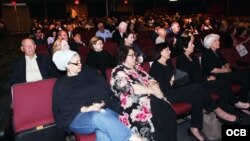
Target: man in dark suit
[31,66]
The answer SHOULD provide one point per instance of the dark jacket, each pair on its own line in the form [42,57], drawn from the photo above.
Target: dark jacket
[116,36]
[46,67]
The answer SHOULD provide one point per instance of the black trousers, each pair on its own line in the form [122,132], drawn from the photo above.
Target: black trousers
[241,77]
[164,120]
[193,94]
[223,89]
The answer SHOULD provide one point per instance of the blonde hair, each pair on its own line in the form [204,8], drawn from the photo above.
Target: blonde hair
[93,41]
[57,45]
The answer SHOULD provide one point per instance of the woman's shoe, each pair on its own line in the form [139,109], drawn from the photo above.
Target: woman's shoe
[245,111]
[192,135]
[237,121]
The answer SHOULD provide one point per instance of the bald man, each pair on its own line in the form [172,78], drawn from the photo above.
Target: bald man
[31,66]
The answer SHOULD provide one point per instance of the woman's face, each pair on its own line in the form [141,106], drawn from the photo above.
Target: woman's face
[54,34]
[215,44]
[64,45]
[166,53]
[130,39]
[190,48]
[98,47]
[130,59]
[75,64]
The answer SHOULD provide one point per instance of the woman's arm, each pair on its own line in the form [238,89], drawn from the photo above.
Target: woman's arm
[93,107]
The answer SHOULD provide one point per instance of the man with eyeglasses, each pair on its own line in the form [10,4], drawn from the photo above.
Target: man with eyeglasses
[39,37]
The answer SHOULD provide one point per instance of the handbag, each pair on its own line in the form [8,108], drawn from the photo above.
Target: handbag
[211,126]
[181,78]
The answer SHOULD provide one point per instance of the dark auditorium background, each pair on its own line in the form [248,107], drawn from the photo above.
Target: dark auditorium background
[59,9]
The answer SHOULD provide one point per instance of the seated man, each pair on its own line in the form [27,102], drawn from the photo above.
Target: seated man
[39,37]
[31,66]
[102,32]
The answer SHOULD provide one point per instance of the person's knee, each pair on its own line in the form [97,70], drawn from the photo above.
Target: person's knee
[100,117]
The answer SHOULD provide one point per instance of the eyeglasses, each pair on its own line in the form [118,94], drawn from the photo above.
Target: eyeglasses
[132,55]
[76,64]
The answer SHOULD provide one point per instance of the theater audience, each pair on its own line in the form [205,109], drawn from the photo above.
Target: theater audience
[144,109]
[162,70]
[189,63]
[82,101]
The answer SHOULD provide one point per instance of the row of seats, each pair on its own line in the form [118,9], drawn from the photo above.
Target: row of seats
[32,103]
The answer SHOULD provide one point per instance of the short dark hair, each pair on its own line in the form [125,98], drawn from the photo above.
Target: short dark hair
[183,42]
[158,48]
[122,53]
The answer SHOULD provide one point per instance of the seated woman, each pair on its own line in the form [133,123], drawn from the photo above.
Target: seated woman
[60,44]
[162,70]
[190,64]
[213,63]
[143,107]
[81,101]
[129,40]
[99,58]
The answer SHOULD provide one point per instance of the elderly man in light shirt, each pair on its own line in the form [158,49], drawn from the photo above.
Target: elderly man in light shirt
[102,32]
[31,66]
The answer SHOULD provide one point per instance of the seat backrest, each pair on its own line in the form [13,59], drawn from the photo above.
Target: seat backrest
[108,75]
[111,47]
[83,52]
[228,54]
[42,49]
[32,104]
[146,66]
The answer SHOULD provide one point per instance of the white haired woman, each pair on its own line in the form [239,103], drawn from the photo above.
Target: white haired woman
[215,65]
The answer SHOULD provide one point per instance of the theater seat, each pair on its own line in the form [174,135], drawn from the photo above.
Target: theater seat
[87,137]
[181,108]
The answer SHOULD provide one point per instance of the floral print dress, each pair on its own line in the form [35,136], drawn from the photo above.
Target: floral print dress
[136,110]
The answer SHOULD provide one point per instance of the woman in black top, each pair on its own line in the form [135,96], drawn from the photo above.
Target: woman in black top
[129,40]
[190,64]
[99,58]
[214,64]
[82,103]
[163,71]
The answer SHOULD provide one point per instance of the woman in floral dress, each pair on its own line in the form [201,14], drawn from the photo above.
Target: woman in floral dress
[144,109]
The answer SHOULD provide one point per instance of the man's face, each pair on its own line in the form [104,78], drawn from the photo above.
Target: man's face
[39,34]
[28,47]
[63,35]
[176,28]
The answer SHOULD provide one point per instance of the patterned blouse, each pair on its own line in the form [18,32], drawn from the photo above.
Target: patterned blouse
[136,110]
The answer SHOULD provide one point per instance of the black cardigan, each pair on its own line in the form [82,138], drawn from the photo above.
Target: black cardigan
[71,93]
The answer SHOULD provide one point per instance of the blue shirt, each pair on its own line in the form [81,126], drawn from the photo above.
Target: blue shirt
[104,35]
